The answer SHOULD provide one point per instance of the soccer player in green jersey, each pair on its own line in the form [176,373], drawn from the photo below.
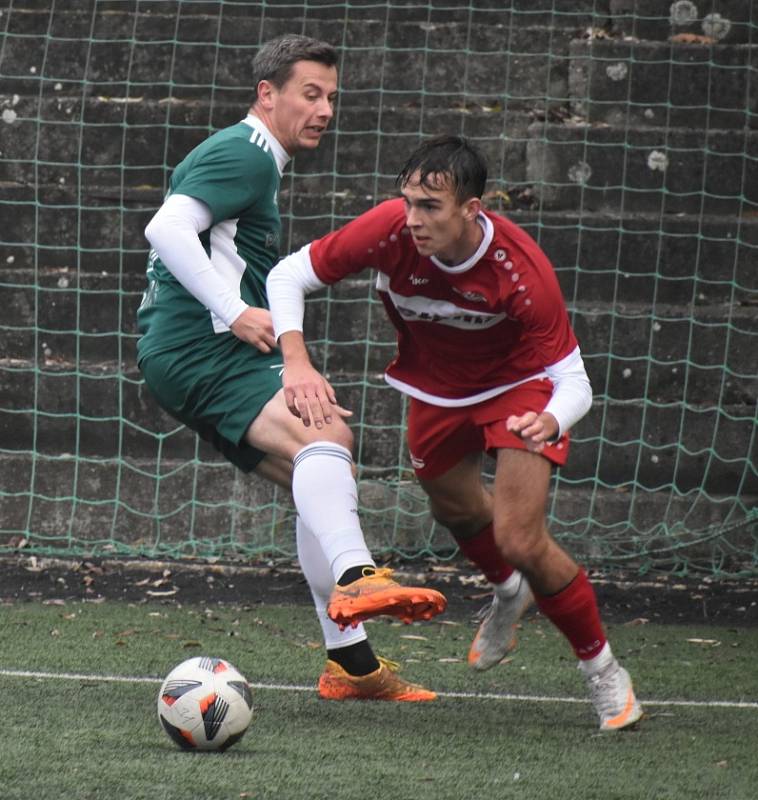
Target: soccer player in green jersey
[209,355]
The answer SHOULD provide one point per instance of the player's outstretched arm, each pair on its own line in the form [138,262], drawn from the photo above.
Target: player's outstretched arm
[308,394]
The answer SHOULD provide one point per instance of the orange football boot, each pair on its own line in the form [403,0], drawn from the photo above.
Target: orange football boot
[381,684]
[376,593]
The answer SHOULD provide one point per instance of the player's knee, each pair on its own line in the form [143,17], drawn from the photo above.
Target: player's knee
[338,433]
[460,518]
[523,546]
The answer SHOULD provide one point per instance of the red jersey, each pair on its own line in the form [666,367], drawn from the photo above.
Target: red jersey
[464,333]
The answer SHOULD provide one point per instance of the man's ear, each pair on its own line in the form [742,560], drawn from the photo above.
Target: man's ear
[471,208]
[266,91]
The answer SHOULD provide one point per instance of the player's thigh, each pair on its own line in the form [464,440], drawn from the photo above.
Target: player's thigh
[277,431]
[458,498]
[219,382]
[522,482]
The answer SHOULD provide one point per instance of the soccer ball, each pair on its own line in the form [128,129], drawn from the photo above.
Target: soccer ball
[205,704]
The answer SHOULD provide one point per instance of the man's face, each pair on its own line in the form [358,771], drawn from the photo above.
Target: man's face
[439,224]
[301,109]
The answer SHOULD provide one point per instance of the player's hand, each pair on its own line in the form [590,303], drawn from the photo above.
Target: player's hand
[310,396]
[535,429]
[254,326]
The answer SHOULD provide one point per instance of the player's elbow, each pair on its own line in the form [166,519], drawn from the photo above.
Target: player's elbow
[153,229]
[585,391]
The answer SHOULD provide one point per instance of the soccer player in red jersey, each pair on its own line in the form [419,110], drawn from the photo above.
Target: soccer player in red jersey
[488,358]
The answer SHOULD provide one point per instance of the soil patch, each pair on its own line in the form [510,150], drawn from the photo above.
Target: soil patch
[623,598]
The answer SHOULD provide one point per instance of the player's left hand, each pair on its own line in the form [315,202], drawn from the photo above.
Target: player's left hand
[535,429]
[309,395]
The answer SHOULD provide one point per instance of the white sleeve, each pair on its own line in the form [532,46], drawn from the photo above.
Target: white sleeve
[287,284]
[572,395]
[173,233]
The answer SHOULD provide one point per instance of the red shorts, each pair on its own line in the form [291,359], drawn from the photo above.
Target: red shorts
[439,437]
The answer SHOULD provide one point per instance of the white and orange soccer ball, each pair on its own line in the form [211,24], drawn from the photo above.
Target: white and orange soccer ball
[205,704]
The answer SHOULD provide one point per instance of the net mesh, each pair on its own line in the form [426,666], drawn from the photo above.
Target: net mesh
[620,133]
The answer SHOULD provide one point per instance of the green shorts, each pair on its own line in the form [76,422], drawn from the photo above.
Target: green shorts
[216,387]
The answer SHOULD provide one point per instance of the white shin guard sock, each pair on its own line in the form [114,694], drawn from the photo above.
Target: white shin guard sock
[326,499]
[321,582]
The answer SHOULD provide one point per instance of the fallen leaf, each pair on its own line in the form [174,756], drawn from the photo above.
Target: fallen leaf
[449,660]
[413,636]
[692,38]
[54,601]
[636,621]
[166,593]
[192,643]
[18,542]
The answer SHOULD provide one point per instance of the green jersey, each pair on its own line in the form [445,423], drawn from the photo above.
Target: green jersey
[236,173]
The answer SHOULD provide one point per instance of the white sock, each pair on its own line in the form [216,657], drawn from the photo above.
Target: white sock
[321,582]
[326,499]
[597,664]
[509,586]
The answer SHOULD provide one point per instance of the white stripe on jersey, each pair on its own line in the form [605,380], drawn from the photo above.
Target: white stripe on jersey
[258,139]
[459,402]
[426,309]
[228,262]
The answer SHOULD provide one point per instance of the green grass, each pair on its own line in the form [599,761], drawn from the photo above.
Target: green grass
[91,738]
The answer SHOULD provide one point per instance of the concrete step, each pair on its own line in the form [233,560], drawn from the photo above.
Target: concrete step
[673,85]
[442,52]
[99,226]
[58,315]
[114,156]
[643,258]
[115,504]
[622,170]
[560,166]
[726,21]
[241,23]
[648,258]
[677,412]
[105,410]
[112,416]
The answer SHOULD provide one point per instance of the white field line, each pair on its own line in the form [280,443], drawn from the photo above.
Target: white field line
[282,687]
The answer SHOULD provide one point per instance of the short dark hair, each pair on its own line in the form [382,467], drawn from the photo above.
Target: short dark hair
[276,58]
[453,157]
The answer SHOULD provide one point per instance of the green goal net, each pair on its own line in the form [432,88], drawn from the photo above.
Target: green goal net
[622,134]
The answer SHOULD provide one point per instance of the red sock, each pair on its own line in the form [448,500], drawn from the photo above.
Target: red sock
[482,551]
[575,613]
